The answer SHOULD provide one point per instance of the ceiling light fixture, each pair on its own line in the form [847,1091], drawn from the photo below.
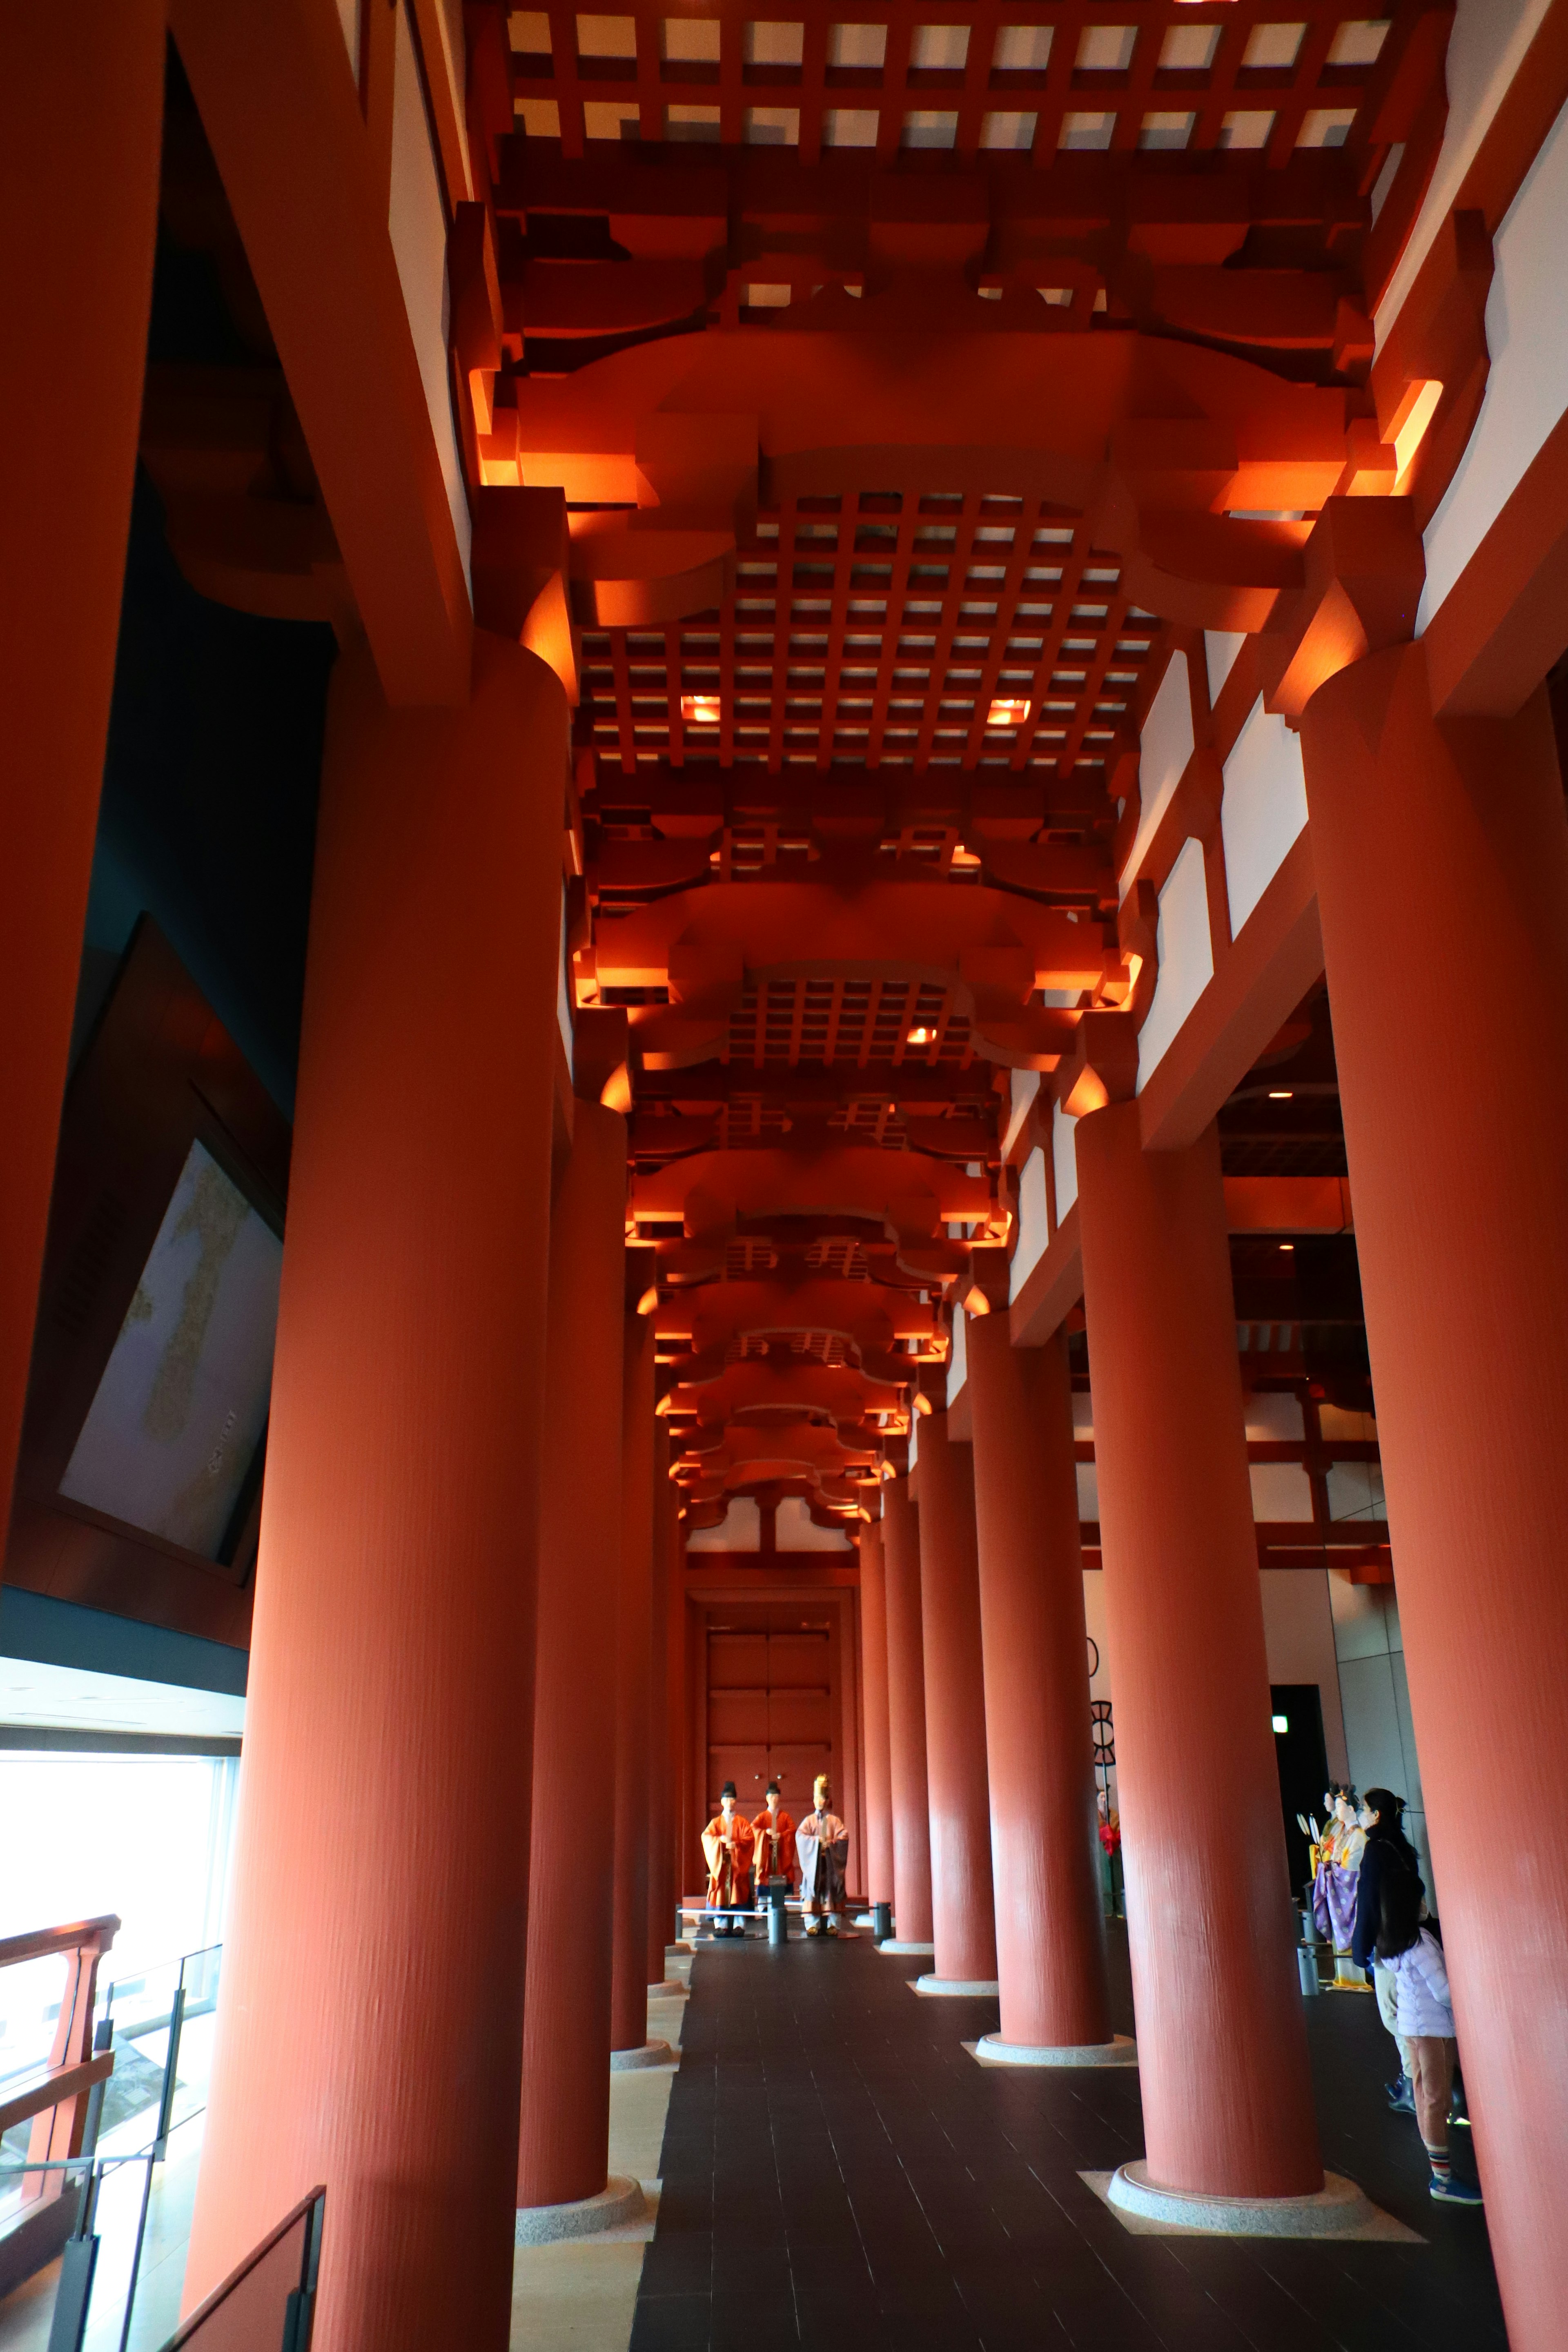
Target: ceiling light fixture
[1286,1245]
[1281,1094]
[1008,711]
[922,1036]
[701,710]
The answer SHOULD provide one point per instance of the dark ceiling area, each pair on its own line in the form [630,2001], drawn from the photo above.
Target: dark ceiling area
[208,815]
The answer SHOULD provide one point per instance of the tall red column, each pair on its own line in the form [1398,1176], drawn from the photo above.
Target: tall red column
[67,257]
[1442,863]
[874,1682]
[1050,1923]
[909,1785]
[661,1806]
[563,2152]
[634,1694]
[1228,2097]
[964,1918]
[372,2023]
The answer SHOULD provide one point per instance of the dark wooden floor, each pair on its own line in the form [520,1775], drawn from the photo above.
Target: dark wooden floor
[838,2171]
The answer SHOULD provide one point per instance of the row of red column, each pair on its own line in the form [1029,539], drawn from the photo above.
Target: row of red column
[1464,1304]
[373,2035]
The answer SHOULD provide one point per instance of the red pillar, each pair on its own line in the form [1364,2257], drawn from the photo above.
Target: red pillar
[67,257]
[907,1717]
[564,2148]
[662,1888]
[964,1918]
[1442,863]
[372,2023]
[1045,1853]
[634,1693]
[1228,2097]
[874,1683]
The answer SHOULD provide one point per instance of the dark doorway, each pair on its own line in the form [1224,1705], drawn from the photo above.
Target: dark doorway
[1303,1764]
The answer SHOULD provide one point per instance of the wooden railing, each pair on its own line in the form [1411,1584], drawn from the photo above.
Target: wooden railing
[55,2094]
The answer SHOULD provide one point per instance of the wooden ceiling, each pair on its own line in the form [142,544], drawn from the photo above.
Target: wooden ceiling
[916,662]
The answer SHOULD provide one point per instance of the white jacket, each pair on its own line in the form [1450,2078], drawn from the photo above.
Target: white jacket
[1423,2004]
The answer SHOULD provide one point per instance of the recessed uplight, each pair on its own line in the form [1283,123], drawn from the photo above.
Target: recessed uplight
[1281,1094]
[1287,1246]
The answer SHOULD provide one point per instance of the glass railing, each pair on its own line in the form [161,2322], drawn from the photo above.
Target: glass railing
[96,2078]
[267,2305]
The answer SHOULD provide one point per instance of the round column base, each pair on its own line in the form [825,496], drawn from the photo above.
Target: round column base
[907,1951]
[958,1988]
[652,2054]
[619,2201]
[672,1989]
[1120,2051]
[1337,2207]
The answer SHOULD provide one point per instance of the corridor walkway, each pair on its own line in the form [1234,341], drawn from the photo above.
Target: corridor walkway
[838,2171]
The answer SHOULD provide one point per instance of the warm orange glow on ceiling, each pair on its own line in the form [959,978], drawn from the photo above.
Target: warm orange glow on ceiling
[649,1303]
[700,709]
[1005,712]
[1408,428]
[921,1036]
[976,1301]
[923,1402]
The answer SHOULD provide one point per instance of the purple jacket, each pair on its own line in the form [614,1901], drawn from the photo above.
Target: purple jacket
[1421,1981]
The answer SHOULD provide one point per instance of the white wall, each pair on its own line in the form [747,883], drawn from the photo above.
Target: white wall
[1034,1222]
[1185,954]
[1527,390]
[742,1530]
[1379,1732]
[1165,746]
[794,1529]
[1298,1632]
[1486,44]
[417,223]
[1264,809]
[1064,1158]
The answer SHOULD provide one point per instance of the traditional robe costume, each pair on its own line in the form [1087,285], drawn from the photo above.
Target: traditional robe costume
[1340,1851]
[776,1852]
[727,1845]
[822,1843]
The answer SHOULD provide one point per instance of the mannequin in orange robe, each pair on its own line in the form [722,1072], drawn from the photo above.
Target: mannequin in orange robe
[775,1853]
[727,1843]
[826,1840]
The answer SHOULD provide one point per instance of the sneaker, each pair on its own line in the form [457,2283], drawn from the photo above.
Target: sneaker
[1400,2097]
[1456,2192]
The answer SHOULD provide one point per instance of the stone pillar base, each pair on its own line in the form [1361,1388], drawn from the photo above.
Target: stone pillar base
[907,1951]
[1337,2209]
[1119,2051]
[959,1987]
[652,2054]
[619,2201]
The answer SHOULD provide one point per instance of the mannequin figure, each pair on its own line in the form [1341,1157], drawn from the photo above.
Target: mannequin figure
[1340,1848]
[727,1843]
[1322,1857]
[822,1842]
[775,1853]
